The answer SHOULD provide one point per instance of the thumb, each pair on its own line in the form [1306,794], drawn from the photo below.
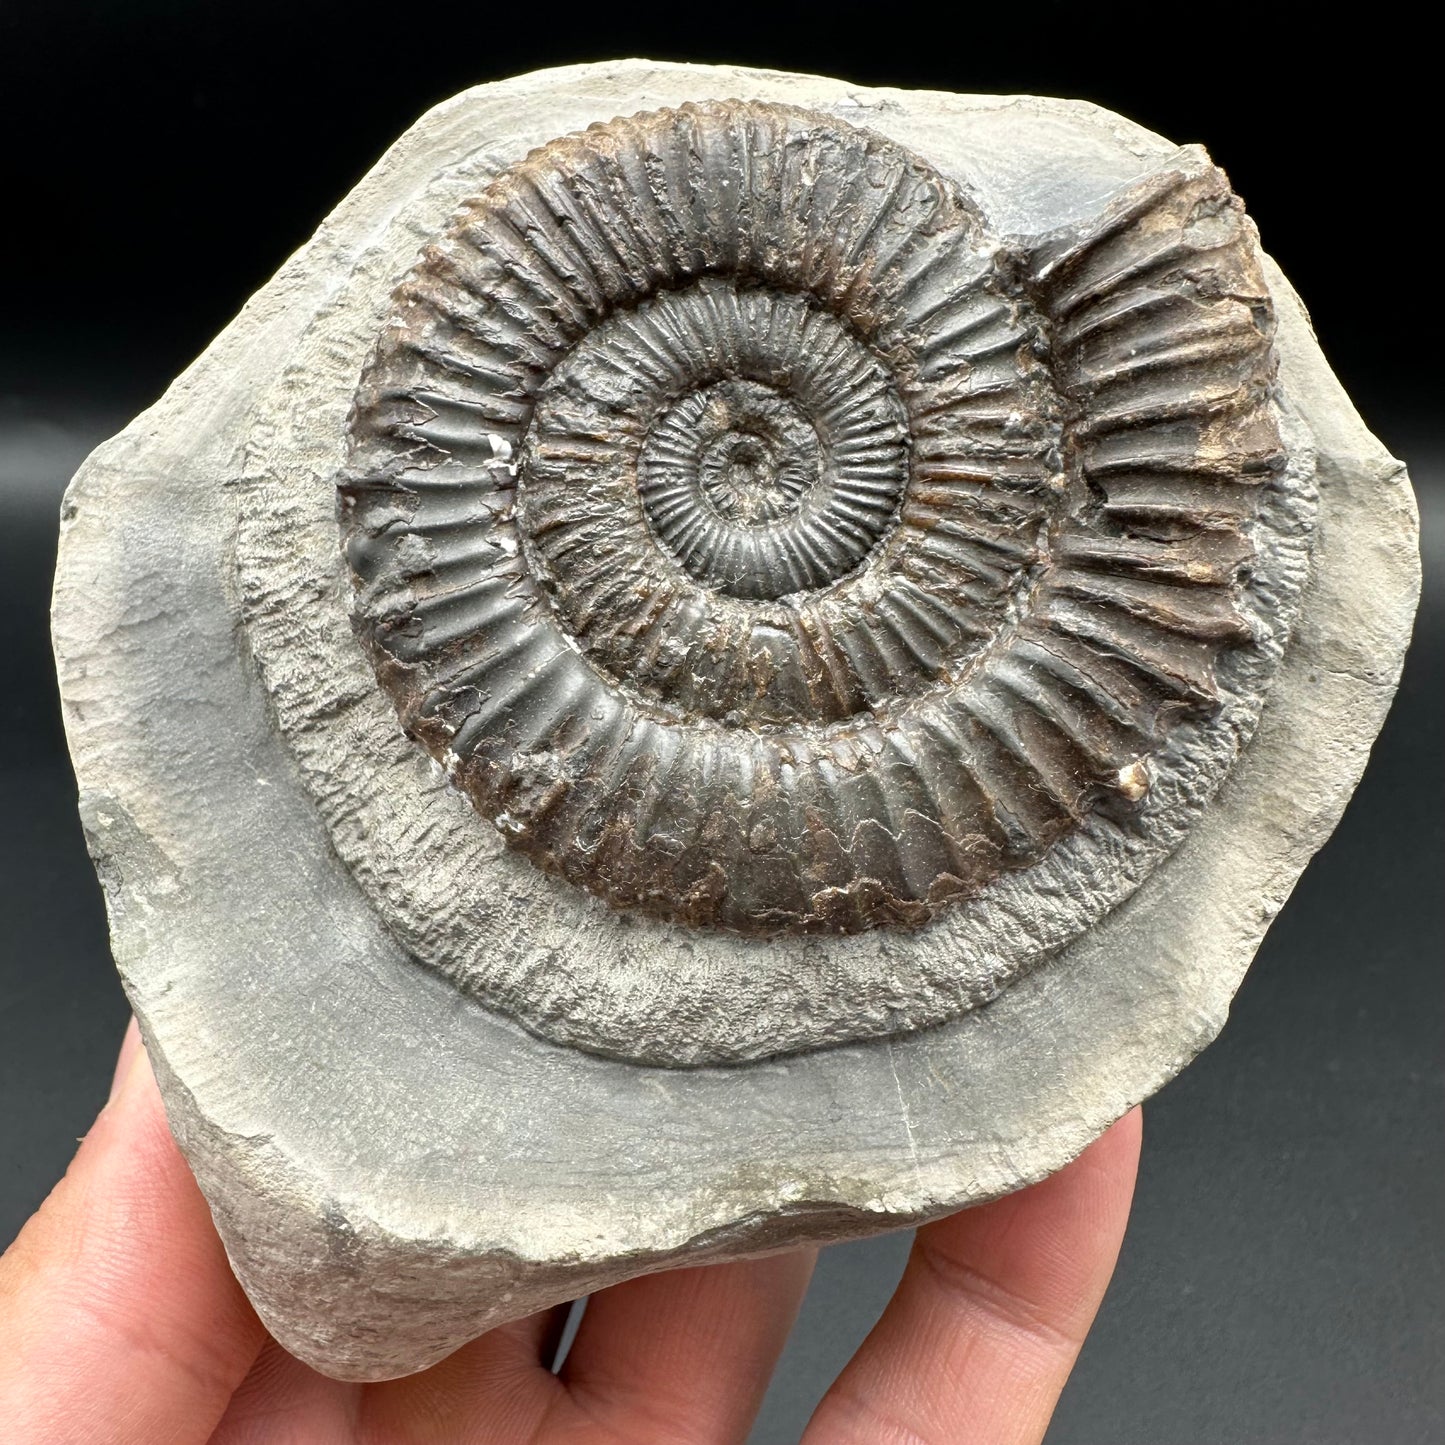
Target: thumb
[120,1319]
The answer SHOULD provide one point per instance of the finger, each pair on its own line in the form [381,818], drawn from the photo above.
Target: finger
[129,1044]
[686,1355]
[120,1319]
[282,1399]
[990,1313]
[500,1387]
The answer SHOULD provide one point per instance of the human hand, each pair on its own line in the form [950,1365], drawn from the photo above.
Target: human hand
[122,1324]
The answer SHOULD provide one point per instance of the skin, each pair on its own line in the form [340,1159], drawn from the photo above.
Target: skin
[120,1322]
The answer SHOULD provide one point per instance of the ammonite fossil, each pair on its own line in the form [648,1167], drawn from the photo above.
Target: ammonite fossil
[697,568]
[761,542]
[766,546]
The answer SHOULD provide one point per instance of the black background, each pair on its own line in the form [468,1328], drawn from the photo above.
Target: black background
[1282,1279]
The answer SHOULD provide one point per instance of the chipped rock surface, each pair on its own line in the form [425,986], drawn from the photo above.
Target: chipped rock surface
[744,676]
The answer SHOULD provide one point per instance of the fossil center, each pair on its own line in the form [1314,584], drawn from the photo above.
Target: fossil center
[756,455]
[737,484]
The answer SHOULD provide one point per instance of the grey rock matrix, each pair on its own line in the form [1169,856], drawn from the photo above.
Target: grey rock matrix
[720,661]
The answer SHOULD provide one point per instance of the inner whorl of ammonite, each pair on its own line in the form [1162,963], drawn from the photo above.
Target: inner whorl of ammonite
[779,454]
[758,543]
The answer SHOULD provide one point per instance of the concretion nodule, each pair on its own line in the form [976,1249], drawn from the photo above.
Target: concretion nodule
[721,661]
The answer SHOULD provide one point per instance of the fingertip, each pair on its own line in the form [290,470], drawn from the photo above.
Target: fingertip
[1131,1126]
[1116,1152]
[130,1045]
[692,1347]
[992,1308]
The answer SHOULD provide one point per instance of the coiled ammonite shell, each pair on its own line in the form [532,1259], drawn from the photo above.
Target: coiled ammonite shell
[761,543]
